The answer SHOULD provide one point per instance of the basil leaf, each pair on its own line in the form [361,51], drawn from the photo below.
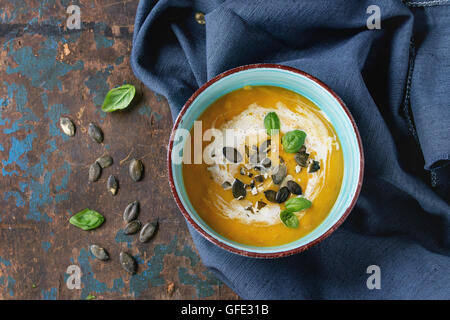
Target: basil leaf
[297,204]
[289,219]
[272,123]
[293,140]
[118,98]
[87,219]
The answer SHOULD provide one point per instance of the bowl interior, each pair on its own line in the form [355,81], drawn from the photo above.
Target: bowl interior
[313,91]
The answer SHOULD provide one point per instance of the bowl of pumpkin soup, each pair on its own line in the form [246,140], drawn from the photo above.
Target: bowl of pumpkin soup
[265,161]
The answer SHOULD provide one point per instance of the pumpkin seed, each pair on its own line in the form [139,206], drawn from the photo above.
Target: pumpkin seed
[260,205]
[282,195]
[302,158]
[132,227]
[226,185]
[95,133]
[128,262]
[99,252]
[136,168]
[315,166]
[67,126]
[271,195]
[259,178]
[232,155]
[148,231]
[239,189]
[294,187]
[265,146]
[105,161]
[266,163]
[112,185]
[131,211]
[94,172]
[200,18]
[279,174]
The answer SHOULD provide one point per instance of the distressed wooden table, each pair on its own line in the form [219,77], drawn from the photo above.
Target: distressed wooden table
[48,71]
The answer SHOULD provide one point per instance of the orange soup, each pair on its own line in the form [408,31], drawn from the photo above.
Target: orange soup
[270,172]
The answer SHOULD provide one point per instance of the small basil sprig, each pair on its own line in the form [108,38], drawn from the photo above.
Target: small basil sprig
[289,219]
[293,140]
[297,204]
[118,98]
[272,123]
[87,219]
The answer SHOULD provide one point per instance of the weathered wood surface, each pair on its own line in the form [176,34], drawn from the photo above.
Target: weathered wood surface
[48,71]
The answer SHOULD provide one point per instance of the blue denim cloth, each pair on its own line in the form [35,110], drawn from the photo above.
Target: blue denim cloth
[395,81]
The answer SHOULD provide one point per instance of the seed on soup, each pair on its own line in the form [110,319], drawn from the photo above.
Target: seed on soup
[271,195]
[279,174]
[282,195]
[232,155]
[238,189]
[294,187]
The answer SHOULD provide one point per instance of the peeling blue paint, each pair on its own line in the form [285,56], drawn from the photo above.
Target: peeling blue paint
[189,253]
[204,288]
[5,262]
[46,245]
[11,285]
[90,284]
[17,195]
[44,69]
[122,237]
[146,110]
[152,274]
[100,40]
[49,294]
[98,85]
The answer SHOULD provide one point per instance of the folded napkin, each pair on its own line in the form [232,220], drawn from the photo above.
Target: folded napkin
[395,80]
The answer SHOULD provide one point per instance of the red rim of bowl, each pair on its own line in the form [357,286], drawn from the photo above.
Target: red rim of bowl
[245,252]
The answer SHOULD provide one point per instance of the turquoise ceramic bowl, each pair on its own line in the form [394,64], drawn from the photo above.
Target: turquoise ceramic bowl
[306,85]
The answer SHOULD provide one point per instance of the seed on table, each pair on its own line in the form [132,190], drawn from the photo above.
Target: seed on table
[294,187]
[136,169]
[94,172]
[148,231]
[131,211]
[112,185]
[271,195]
[282,195]
[105,161]
[128,262]
[95,133]
[99,252]
[279,174]
[67,126]
[132,227]
[238,189]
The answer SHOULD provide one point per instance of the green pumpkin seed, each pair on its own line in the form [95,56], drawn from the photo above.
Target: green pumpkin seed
[87,219]
[99,252]
[128,262]
[112,185]
[94,172]
[315,166]
[67,126]
[238,189]
[95,133]
[271,195]
[131,211]
[132,227]
[148,231]
[105,161]
[136,169]
[294,187]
